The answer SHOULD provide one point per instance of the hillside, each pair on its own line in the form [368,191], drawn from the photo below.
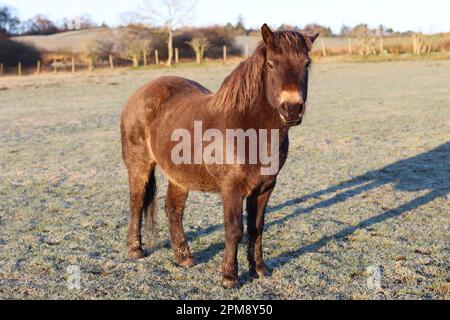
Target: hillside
[76,41]
[72,41]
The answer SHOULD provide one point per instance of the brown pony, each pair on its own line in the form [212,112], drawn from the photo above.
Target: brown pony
[267,91]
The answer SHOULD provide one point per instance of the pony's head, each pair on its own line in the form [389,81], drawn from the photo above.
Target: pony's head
[287,64]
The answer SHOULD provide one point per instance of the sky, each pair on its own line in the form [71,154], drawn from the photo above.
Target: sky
[402,15]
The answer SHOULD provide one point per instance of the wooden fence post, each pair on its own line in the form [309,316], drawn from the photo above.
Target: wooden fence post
[381,44]
[156,58]
[225,54]
[73,64]
[324,49]
[2,69]
[54,66]
[350,48]
[414,38]
[38,67]
[430,44]
[420,42]
[91,64]
[177,56]
[111,62]
[145,59]
[19,69]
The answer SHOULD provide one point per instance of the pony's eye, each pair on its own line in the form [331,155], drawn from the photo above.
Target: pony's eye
[271,65]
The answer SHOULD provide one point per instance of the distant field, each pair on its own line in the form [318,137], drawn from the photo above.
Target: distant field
[75,41]
[367,184]
[399,48]
[339,45]
[71,42]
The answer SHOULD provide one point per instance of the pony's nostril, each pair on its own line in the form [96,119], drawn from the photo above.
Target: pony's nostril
[292,110]
[301,109]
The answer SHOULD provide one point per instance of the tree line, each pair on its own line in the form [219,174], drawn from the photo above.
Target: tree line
[157,30]
[11,25]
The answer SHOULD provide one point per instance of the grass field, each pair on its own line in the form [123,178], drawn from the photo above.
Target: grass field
[367,184]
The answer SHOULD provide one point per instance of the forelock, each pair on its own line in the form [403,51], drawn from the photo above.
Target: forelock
[290,42]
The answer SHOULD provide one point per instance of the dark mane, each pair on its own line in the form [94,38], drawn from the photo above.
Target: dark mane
[244,86]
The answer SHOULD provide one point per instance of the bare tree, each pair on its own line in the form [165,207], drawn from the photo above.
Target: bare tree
[9,22]
[100,48]
[145,49]
[135,44]
[86,22]
[240,25]
[365,39]
[346,31]
[199,45]
[40,25]
[314,28]
[422,43]
[169,14]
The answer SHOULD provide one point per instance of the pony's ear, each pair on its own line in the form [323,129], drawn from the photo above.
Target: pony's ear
[267,35]
[310,39]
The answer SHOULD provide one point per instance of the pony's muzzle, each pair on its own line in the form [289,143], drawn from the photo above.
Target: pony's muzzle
[292,114]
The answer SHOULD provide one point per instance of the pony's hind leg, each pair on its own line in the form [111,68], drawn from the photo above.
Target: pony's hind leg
[138,180]
[175,204]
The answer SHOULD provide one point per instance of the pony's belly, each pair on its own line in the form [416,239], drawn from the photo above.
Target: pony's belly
[195,177]
[191,177]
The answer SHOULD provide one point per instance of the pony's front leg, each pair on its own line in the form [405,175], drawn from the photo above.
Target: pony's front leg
[175,204]
[256,208]
[234,230]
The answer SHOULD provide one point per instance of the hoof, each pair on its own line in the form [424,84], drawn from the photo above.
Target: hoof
[148,251]
[230,282]
[260,273]
[187,263]
[263,273]
[136,254]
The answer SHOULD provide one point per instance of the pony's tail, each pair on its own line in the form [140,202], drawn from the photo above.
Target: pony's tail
[150,210]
